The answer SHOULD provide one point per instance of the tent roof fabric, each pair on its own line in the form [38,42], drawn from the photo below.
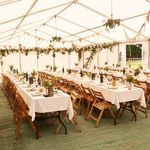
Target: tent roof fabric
[76,21]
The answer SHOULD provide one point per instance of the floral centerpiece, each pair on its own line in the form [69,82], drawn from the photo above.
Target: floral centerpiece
[137,71]
[33,73]
[129,80]
[48,87]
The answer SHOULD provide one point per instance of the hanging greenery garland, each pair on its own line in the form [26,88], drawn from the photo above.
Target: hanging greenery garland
[94,51]
[54,55]
[90,58]
[79,50]
[56,38]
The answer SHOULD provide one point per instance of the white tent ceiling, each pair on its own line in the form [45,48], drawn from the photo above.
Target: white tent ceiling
[80,21]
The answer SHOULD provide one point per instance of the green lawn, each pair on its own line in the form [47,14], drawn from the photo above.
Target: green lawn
[134,63]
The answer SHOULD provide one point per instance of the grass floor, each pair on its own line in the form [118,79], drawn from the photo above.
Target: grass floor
[127,135]
[134,63]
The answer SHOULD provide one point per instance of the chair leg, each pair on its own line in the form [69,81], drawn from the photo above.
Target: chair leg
[137,108]
[34,128]
[87,111]
[99,118]
[18,125]
[81,109]
[145,113]
[88,117]
[76,122]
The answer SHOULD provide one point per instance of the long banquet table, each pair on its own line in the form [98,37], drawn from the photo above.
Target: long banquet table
[116,95]
[39,104]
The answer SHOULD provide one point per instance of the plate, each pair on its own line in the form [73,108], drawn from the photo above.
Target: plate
[101,84]
[112,87]
[27,86]
[36,94]
[60,93]
[30,89]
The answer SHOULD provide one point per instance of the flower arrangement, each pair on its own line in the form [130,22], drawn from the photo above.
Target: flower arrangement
[56,38]
[137,71]
[48,88]
[47,84]
[129,78]
[33,73]
[111,23]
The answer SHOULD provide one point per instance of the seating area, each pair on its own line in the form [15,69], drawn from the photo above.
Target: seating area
[107,136]
[74,74]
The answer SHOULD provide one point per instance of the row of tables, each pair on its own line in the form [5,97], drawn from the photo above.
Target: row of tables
[115,95]
[37,103]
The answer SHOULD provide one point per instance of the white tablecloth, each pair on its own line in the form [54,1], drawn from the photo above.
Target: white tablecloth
[120,94]
[115,96]
[40,104]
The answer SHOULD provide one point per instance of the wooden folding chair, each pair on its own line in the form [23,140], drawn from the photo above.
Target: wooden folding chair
[87,98]
[100,104]
[20,113]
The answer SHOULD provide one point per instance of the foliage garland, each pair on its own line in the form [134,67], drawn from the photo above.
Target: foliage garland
[94,51]
[56,38]
[79,50]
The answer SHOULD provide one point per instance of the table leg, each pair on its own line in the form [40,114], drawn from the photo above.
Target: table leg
[132,110]
[127,106]
[61,123]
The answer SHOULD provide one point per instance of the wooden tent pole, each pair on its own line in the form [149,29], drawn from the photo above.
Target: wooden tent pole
[19,51]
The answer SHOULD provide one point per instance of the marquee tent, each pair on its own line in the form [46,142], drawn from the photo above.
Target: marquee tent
[35,23]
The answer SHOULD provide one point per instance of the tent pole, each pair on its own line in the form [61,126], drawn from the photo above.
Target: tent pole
[83,58]
[37,56]
[149,54]
[69,60]
[107,56]
[98,58]
[118,61]
[19,51]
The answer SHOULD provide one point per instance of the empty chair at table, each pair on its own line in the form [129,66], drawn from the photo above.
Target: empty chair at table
[20,111]
[102,105]
[87,98]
